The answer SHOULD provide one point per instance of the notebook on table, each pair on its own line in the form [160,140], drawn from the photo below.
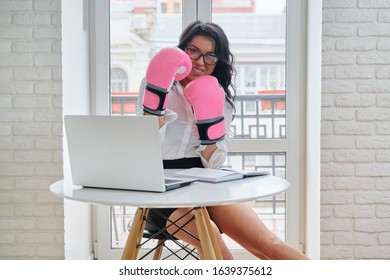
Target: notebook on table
[219,175]
[118,152]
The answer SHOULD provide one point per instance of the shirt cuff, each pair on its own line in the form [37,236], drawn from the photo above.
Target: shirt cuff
[170,116]
[217,158]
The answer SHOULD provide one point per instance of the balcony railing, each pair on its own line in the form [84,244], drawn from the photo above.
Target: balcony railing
[260,116]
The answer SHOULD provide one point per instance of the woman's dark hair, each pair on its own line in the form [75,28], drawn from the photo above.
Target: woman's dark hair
[224,69]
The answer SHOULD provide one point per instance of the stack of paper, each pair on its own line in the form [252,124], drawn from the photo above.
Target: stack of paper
[218,175]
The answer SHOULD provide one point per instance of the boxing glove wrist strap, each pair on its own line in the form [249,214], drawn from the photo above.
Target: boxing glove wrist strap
[160,109]
[204,130]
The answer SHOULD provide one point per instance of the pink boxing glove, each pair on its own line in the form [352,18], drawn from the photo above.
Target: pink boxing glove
[168,65]
[207,99]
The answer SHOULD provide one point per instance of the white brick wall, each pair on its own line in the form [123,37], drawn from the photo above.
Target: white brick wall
[355,195]
[31,218]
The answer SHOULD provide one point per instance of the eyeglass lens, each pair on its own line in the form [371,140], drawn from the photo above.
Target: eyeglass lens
[207,58]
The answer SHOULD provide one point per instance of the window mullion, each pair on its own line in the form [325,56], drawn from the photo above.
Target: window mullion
[258,146]
[100,58]
[204,9]
[189,12]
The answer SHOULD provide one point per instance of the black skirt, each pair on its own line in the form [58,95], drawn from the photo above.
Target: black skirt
[158,216]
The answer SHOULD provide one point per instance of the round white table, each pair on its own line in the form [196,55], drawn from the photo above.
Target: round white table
[198,195]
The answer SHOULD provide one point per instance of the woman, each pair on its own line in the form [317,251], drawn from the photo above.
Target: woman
[208,48]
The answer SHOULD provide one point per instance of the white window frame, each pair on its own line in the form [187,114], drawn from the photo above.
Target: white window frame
[303,149]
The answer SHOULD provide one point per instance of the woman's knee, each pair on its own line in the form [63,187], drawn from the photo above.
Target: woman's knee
[179,218]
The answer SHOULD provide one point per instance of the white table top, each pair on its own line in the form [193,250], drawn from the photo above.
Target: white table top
[197,194]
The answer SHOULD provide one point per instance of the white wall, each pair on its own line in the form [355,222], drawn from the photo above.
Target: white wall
[31,218]
[355,183]
[75,62]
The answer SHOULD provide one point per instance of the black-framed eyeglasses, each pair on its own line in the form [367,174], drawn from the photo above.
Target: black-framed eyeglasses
[208,58]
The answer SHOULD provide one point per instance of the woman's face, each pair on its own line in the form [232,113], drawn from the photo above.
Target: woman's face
[201,51]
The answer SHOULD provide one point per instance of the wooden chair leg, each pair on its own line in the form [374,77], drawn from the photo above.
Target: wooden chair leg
[204,235]
[130,252]
[158,250]
[211,232]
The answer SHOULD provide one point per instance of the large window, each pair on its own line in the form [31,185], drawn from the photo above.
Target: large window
[267,118]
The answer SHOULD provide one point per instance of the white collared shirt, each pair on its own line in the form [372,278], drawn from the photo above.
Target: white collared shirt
[179,135]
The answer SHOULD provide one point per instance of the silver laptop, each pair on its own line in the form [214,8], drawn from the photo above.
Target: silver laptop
[118,152]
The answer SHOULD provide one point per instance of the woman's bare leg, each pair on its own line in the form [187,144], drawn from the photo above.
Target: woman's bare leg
[241,223]
[191,227]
